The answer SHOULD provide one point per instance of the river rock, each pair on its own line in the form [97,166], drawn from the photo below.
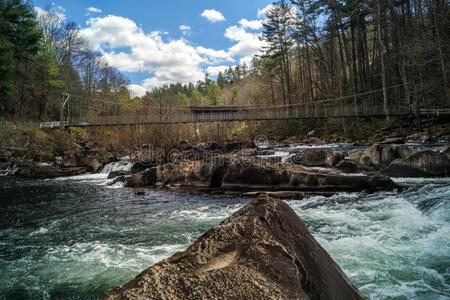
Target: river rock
[317,158]
[347,166]
[381,155]
[393,140]
[242,175]
[38,170]
[422,164]
[193,173]
[264,251]
[115,174]
[446,150]
[146,178]
[141,166]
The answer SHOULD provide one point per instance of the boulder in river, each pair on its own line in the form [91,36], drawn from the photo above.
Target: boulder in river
[201,173]
[317,158]
[422,164]
[382,155]
[264,251]
[145,178]
[244,175]
[348,166]
[41,170]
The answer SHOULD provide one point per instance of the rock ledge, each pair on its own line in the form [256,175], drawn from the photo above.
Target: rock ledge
[262,251]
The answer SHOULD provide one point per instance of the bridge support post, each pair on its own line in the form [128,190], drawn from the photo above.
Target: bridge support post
[65,101]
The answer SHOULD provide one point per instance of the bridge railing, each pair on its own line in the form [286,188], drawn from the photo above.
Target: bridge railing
[94,112]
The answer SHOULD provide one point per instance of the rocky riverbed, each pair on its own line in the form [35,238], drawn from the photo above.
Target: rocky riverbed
[293,171]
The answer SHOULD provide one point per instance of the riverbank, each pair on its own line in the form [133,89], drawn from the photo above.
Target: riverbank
[312,173]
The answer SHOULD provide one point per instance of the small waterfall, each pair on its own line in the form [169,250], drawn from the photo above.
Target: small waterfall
[124,165]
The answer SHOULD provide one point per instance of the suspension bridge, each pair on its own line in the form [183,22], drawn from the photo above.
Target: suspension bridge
[84,112]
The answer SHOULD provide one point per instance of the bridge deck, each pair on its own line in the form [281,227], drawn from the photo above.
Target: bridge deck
[85,113]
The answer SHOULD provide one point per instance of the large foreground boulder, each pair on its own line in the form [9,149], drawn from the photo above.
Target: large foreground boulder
[422,164]
[264,251]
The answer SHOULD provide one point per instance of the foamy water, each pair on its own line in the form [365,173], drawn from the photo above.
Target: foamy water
[77,237]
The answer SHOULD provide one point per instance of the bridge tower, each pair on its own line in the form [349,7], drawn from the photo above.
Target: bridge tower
[64,103]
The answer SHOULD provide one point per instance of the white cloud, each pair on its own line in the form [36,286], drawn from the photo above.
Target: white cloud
[215,70]
[137,90]
[213,15]
[128,48]
[185,29]
[251,24]
[54,9]
[263,11]
[93,10]
[247,45]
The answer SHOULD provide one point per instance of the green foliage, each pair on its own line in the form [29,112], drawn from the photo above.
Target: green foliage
[19,42]
[6,71]
[213,92]
[234,94]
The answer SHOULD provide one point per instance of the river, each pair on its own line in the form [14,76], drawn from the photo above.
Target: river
[75,238]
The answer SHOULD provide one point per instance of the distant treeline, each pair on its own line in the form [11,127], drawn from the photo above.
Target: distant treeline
[315,49]
[318,49]
[43,56]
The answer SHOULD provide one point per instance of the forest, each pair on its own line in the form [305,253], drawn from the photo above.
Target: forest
[316,49]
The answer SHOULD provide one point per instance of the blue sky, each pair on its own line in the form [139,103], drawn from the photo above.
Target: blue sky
[158,42]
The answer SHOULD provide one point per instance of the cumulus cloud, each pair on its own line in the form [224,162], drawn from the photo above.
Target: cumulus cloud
[248,44]
[128,48]
[53,8]
[251,24]
[137,90]
[213,16]
[215,70]
[263,11]
[93,10]
[185,29]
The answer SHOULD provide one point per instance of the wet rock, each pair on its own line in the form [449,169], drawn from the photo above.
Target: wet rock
[313,141]
[35,170]
[247,152]
[393,140]
[58,160]
[271,159]
[115,174]
[264,251]
[146,178]
[422,164]
[193,173]
[382,155]
[446,150]
[265,151]
[419,138]
[348,166]
[242,175]
[317,158]
[141,166]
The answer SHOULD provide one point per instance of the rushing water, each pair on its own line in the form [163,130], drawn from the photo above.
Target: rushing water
[77,237]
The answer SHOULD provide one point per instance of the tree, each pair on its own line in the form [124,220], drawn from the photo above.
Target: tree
[277,31]
[19,41]
[221,82]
